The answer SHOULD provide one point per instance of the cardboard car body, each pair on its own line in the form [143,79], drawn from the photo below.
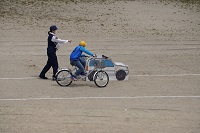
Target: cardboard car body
[115,70]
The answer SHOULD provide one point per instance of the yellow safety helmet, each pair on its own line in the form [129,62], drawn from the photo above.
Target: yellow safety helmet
[82,43]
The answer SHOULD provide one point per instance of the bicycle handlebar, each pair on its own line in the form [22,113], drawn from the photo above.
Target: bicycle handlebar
[89,56]
[94,57]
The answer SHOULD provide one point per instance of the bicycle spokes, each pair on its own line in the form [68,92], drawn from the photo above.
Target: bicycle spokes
[101,78]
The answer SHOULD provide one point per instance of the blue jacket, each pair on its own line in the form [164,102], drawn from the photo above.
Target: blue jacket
[77,52]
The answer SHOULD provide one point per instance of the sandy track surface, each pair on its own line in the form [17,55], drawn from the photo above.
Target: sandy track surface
[160,43]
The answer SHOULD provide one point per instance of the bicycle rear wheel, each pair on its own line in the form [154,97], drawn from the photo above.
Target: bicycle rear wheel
[101,78]
[63,78]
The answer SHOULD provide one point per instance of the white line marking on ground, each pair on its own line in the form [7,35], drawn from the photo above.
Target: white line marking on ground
[23,78]
[81,98]
[173,75]
[19,78]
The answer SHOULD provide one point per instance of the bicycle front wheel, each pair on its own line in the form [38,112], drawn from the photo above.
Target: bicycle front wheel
[63,78]
[101,78]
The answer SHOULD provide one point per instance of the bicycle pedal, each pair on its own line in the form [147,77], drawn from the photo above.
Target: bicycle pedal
[84,79]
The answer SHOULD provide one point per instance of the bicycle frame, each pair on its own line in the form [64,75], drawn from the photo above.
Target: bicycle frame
[71,71]
[97,75]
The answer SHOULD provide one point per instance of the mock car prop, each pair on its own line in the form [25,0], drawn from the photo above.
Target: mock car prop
[117,70]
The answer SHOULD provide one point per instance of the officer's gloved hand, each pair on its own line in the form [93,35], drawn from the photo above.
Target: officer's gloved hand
[58,46]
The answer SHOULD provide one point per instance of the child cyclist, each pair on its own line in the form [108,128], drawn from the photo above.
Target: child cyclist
[77,60]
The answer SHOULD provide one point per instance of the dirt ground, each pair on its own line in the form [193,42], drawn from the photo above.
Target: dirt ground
[158,41]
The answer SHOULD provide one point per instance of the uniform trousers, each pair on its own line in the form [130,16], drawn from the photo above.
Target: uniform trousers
[51,62]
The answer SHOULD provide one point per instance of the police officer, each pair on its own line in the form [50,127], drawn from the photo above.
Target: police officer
[54,44]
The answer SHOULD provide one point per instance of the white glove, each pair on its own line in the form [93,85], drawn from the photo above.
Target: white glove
[59,45]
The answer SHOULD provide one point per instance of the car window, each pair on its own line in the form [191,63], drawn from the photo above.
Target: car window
[107,63]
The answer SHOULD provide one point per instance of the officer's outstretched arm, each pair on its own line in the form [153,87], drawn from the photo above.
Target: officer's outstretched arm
[58,40]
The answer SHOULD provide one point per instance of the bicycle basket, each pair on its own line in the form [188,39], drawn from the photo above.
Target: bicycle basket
[98,63]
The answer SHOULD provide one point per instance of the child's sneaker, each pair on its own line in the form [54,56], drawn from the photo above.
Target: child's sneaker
[83,73]
[73,78]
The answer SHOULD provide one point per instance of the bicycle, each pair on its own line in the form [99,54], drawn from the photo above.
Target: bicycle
[97,74]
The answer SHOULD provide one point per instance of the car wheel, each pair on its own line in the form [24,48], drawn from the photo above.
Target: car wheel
[121,75]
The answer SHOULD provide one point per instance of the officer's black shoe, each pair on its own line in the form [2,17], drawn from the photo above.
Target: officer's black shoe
[43,77]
